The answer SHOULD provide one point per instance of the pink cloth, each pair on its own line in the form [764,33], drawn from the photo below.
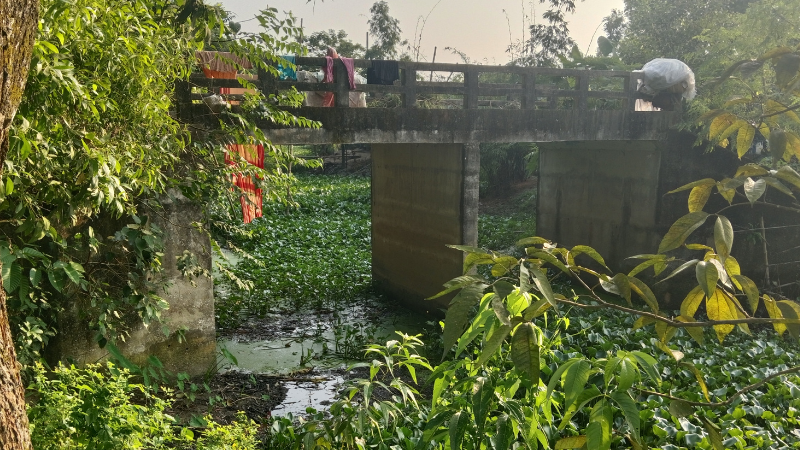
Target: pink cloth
[350,66]
[327,72]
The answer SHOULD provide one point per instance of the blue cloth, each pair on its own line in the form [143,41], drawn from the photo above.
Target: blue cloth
[287,73]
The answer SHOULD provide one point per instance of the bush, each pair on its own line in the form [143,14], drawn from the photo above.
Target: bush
[100,407]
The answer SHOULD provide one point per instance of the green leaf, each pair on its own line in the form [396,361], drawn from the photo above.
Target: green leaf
[699,197]
[557,375]
[681,230]
[504,433]
[791,310]
[503,289]
[457,315]
[587,395]
[532,241]
[575,379]
[777,185]
[720,307]
[789,175]
[695,332]
[723,236]
[629,410]
[571,442]
[482,394]
[754,189]
[699,377]
[641,267]
[707,275]
[748,287]
[536,310]
[36,277]
[680,408]
[57,279]
[525,351]
[543,284]
[751,170]
[589,251]
[649,364]
[713,434]
[643,291]
[456,284]
[503,265]
[694,184]
[774,312]
[550,259]
[680,269]
[598,433]
[9,186]
[12,276]
[493,343]
[501,312]
[458,429]
[692,301]
[744,139]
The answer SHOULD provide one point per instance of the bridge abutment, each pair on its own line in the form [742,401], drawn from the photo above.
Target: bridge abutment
[424,196]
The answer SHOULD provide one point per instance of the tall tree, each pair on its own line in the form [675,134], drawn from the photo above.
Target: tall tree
[549,40]
[386,31]
[319,42]
[18,25]
[659,29]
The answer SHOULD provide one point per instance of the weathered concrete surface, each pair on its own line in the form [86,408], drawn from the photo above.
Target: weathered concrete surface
[600,194]
[423,197]
[614,197]
[191,308]
[448,126]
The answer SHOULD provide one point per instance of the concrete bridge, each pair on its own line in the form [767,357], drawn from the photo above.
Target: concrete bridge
[598,156]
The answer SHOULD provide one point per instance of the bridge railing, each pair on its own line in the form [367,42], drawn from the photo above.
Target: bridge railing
[466,86]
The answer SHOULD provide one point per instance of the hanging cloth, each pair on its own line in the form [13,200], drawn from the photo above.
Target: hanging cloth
[251,198]
[383,72]
[287,73]
[327,72]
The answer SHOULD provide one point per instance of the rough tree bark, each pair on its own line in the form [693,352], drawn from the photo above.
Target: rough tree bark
[18,25]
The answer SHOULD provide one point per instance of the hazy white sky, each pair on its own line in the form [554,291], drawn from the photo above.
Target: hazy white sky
[477,27]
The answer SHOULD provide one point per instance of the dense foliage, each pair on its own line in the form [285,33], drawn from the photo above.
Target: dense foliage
[315,255]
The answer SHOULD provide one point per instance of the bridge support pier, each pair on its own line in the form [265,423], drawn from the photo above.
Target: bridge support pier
[424,196]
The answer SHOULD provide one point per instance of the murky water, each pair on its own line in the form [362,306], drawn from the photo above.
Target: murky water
[328,342]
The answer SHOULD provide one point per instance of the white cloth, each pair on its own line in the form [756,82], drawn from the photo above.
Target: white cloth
[671,75]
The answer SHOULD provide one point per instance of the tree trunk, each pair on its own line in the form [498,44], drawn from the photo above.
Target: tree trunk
[18,25]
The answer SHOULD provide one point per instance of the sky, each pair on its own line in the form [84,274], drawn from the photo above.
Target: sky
[479,28]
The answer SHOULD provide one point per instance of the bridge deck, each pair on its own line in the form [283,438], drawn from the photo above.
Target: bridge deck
[484,104]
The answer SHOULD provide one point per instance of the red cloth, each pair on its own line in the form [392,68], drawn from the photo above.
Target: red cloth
[327,72]
[251,198]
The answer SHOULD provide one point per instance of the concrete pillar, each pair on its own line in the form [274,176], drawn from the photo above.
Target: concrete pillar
[424,196]
[190,345]
[601,194]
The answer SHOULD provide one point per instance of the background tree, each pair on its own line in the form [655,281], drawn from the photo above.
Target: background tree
[658,29]
[614,26]
[17,33]
[548,40]
[318,43]
[385,29]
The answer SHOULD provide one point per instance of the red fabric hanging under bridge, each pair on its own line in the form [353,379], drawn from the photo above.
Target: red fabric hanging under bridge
[251,196]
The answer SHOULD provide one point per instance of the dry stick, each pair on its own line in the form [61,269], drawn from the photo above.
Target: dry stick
[433,61]
[733,397]
[766,255]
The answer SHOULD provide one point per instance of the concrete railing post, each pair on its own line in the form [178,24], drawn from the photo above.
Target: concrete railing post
[471,89]
[583,92]
[631,86]
[267,82]
[409,87]
[341,84]
[529,90]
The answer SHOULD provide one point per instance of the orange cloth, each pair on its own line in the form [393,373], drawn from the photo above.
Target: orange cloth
[251,199]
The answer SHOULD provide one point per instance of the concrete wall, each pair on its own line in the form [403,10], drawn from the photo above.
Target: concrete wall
[191,308]
[424,196]
[600,194]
